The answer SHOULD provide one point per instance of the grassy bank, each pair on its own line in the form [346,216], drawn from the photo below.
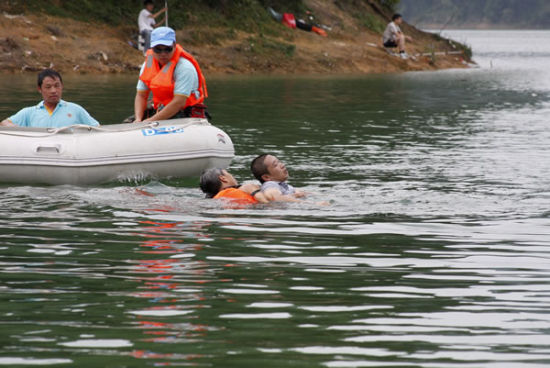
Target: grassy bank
[227,36]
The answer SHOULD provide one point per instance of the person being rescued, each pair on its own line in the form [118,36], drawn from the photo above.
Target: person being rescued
[289,20]
[175,79]
[219,184]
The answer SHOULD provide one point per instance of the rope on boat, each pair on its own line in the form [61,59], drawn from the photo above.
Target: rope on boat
[132,126]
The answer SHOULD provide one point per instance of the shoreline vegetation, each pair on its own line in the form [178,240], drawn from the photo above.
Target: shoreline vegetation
[227,37]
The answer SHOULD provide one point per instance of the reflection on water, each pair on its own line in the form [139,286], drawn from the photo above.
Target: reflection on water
[434,251]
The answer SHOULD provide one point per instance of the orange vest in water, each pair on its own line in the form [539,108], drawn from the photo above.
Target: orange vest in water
[161,80]
[236,195]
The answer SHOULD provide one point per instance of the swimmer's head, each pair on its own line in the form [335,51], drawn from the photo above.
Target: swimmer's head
[267,167]
[214,180]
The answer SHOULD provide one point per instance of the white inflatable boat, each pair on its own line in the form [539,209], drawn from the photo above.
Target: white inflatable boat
[83,155]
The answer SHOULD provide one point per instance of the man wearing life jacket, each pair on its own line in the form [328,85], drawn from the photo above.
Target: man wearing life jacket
[175,79]
[219,184]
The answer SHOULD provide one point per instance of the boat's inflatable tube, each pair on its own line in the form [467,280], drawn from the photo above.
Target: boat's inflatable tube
[83,155]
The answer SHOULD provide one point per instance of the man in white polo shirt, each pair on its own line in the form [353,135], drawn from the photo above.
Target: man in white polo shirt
[52,111]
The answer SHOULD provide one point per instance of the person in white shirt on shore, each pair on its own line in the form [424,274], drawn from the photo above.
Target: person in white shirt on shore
[146,22]
[394,37]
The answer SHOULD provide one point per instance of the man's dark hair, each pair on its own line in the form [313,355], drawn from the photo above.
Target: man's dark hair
[210,182]
[48,73]
[396,16]
[148,2]
[259,168]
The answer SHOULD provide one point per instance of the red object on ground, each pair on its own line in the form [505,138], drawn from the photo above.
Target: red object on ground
[289,20]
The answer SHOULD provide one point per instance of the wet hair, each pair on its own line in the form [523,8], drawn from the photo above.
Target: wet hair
[48,73]
[259,168]
[210,182]
[396,16]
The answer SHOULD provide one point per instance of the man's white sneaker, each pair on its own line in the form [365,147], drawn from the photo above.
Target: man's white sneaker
[404,55]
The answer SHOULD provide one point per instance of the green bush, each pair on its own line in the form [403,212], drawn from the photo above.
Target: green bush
[373,23]
[390,4]
[263,46]
[208,36]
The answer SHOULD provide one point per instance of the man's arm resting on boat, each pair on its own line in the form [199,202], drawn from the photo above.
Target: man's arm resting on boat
[140,104]
[177,103]
[7,123]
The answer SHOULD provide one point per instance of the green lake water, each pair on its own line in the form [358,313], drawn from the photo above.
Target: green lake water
[433,252]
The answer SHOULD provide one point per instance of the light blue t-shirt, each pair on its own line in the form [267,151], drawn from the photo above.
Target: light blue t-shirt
[282,186]
[65,114]
[185,78]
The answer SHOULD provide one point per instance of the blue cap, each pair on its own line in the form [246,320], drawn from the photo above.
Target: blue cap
[163,36]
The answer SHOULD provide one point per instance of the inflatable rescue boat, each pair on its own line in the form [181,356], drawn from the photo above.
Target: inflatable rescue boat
[84,155]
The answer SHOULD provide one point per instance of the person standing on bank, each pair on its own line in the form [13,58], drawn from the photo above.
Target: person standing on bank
[52,111]
[175,79]
[394,37]
[146,22]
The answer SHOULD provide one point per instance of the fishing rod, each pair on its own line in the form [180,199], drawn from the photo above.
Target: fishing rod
[166,12]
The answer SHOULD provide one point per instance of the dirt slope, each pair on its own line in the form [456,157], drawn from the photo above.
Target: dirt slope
[30,43]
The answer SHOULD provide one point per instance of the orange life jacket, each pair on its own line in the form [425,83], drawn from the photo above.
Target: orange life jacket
[161,81]
[236,195]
